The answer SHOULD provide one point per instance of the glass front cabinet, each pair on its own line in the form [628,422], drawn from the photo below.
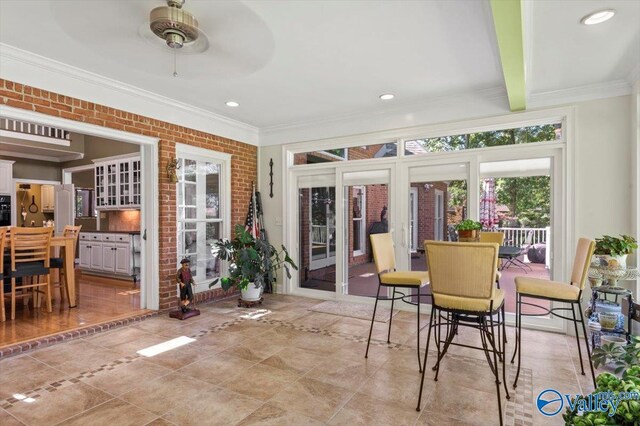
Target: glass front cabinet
[118,183]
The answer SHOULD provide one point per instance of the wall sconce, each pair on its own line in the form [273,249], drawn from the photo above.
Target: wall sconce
[428,186]
[172,168]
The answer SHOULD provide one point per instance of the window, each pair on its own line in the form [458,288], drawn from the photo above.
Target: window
[359,220]
[203,210]
[365,152]
[515,136]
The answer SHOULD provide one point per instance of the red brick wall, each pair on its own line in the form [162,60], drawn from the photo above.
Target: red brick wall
[243,162]
[426,210]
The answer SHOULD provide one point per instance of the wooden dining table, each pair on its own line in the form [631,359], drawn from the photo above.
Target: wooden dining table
[67,252]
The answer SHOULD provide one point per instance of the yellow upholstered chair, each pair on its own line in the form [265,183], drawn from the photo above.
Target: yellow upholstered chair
[385,260]
[464,294]
[492,237]
[555,291]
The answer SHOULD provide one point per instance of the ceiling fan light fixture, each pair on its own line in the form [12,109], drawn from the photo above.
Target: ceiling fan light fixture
[173,24]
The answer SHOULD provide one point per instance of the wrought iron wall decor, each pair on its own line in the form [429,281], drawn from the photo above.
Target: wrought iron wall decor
[271,178]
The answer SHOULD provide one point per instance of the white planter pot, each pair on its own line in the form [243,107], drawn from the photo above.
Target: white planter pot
[252,293]
[615,261]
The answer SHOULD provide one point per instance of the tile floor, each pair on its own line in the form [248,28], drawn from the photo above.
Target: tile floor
[279,364]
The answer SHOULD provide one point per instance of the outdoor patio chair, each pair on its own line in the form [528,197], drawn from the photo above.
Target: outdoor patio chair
[555,291]
[464,294]
[385,261]
[524,248]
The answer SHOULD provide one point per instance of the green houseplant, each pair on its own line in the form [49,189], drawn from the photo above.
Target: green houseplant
[615,250]
[252,263]
[468,228]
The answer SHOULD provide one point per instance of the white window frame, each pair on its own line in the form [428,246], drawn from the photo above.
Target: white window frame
[413,219]
[438,216]
[363,222]
[224,160]
[329,259]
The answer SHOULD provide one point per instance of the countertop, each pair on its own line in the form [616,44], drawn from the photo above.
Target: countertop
[111,232]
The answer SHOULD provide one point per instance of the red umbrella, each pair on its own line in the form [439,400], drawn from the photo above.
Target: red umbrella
[488,214]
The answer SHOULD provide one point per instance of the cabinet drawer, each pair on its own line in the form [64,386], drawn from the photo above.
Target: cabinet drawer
[85,236]
[109,237]
[95,237]
[122,238]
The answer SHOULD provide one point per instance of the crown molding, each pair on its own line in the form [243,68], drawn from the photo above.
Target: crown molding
[38,71]
[579,94]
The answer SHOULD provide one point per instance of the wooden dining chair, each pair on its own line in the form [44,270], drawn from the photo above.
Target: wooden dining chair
[30,257]
[3,236]
[58,262]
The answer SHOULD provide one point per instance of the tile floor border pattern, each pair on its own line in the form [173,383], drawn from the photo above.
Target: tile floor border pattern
[65,336]
[518,410]
[42,342]
[60,384]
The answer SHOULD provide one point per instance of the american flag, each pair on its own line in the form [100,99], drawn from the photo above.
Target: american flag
[251,223]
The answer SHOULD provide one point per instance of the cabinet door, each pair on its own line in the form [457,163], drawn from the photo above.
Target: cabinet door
[136,183]
[85,254]
[108,257]
[100,186]
[111,179]
[6,174]
[124,183]
[123,259]
[96,255]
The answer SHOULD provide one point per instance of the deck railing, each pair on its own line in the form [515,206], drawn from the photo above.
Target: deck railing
[522,237]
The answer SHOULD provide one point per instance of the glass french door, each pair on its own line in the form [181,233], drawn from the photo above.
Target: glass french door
[316,232]
[366,207]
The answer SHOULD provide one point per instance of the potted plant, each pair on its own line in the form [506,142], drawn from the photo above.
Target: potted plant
[468,229]
[252,263]
[615,250]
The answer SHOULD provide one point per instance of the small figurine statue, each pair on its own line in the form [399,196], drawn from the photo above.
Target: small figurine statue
[185,280]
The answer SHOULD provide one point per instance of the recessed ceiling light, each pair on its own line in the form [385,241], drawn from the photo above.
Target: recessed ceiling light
[598,17]
[387,97]
[232,104]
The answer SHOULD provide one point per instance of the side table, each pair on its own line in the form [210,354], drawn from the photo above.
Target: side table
[598,276]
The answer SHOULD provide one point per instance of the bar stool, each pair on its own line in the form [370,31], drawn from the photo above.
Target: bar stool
[385,261]
[462,283]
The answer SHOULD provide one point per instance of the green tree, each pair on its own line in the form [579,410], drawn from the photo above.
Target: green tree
[528,199]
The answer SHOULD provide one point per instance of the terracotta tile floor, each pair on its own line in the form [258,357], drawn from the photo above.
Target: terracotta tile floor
[278,364]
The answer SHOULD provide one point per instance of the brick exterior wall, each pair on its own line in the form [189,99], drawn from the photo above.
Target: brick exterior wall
[243,163]
[426,210]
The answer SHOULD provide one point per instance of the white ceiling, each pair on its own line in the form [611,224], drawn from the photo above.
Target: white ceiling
[294,62]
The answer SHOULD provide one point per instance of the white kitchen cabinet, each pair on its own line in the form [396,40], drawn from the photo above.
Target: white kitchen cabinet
[47,198]
[108,257]
[122,259]
[96,256]
[108,253]
[85,254]
[118,183]
[6,177]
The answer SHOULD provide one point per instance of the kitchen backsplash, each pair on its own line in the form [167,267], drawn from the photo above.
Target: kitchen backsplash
[123,220]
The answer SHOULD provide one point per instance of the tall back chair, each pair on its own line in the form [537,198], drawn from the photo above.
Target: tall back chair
[464,294]
[3,236]
[30,257]
[555,291]
[58,262]
[492,237]
[385,261]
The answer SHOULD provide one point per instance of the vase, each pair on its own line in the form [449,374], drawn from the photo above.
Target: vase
[615,261]
[251,293]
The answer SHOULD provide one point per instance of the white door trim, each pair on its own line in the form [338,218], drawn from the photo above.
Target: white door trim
[150,220]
